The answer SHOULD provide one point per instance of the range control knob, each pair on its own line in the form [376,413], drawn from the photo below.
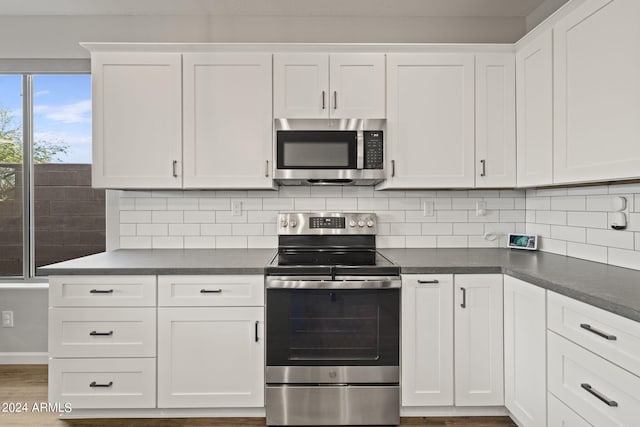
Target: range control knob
[352,223]
[360,223]
[284,223]
[292,223]
[369,223]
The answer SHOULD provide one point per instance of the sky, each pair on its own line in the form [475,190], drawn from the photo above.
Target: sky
[61,111]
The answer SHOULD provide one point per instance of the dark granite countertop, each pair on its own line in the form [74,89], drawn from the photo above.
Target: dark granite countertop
[614,289]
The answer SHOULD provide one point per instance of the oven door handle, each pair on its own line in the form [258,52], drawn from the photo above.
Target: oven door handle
[386,283]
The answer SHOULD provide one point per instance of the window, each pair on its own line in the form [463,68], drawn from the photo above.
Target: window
[48,210]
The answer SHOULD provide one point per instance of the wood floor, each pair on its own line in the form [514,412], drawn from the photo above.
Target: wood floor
[28,383]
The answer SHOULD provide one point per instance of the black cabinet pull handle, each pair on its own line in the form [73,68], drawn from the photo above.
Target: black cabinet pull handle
[598,332]
[100,334]
[210,291]
[484,168]
[257,323]
[95,384]
[599,395]
[464,298]
[324,104]
[428,281]
[101,291]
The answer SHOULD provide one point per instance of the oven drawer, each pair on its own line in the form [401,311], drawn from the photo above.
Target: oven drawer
[601,392]
[237,290]
[102,332]
[102,291]
[103,383]
[333,405]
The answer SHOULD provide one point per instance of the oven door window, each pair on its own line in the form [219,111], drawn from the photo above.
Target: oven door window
[333,327]
[317,149]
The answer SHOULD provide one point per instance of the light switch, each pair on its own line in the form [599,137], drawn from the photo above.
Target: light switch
[236,208]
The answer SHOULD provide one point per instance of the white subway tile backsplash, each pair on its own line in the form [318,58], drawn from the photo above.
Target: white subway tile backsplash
[294,191]
[166,193]
[134,194]
[437,228]
[372,204]
[229,217]
[420,241]
[588,252]
[215,229]
[482,242]
[358,191]
[232,194]
[199,242]
[538,203]
[571,234]
[309,204]
[201,217]
[135,242]
[325,191]
[625,188]
[132,217]
[150,204]
[574,203]
[451,216]
[613,238]
[542,230]
[247,229]
[512,216]
[624,258]
[167,242]
[590,190]
[418,216]
[443,203]
[262,193]
[551,192]
[587,219]
[262,242]
[599,203]
[280,204]
[551,217]
[167,217]
[342,204]
[127,229]
[391,216]
[184,229]
[391,194]
[262,217]
[128,204]
[215,204]
[452,241]
[466,204]
[468,229]
[453,193]
[502,203]
[231,242]
[554,246]
[152,229]
[404,229]
[404,203]
[391,241]
[184,204]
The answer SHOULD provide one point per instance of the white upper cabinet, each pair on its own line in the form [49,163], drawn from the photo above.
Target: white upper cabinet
[478,333]
[431,122]
[495,120]
[597,92]
[321,86]
[137,120]
[228,120]
[534,95]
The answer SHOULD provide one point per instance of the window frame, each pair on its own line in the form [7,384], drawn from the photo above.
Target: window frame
[27,69]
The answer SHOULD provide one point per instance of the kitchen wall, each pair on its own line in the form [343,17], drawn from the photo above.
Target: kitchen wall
[203,219]
[575,222]
[26,342]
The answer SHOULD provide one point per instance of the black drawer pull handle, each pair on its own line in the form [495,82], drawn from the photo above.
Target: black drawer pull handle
[257,322]
[101,291]
[95,384]
[599,395]
[598,332]
[464,298]
[210,291]
[100,334]
[428,281]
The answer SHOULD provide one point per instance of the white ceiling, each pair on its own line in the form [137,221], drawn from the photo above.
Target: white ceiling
[483,8]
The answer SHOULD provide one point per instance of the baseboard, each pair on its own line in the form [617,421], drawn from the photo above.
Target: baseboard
[453,411]
[24,358]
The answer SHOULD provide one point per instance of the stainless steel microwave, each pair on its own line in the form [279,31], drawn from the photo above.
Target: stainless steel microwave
[329,157]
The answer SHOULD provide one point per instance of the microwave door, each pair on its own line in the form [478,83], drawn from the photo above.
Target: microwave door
[314,150]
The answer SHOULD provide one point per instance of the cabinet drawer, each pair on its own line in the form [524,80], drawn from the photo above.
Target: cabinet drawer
[601,392]
[102,291]
[238,290]
[560,415]
[102,332]
[611,336]
[103,383]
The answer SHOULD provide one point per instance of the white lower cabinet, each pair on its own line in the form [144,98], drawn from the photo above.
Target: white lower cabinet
[427,340]
[478,332]
[525,352]
[560,415]
[210,357]
[103,383]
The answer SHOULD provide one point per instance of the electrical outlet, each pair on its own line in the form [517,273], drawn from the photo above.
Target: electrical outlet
[427,208]
[481,208]
[236,208]
[7,319]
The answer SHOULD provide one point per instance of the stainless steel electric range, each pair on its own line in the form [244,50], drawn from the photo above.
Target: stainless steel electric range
[333,324]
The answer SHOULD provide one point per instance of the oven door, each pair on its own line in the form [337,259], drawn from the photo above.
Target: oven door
[333,326]
[317,149]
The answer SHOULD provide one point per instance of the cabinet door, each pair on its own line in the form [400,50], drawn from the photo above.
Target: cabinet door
[597,94]
[427,340]
[560,415]
[301,85]
[525,352]
[430,122]
[210,357]
[227,120]
[534,97]
[357,83]
[478,340]
[495,120]
[137,120]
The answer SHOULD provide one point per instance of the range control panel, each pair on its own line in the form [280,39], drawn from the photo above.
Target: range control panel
[327,223]
[373,149]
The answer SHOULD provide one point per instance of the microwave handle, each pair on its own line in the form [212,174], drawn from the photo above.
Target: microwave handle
[360,149]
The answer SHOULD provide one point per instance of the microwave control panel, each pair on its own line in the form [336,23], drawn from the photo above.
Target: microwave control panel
[373,149]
